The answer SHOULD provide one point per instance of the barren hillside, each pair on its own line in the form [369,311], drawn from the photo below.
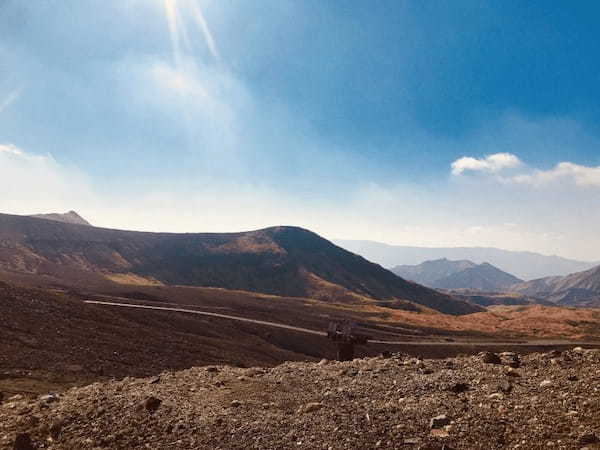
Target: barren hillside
[280,260]
[577,289]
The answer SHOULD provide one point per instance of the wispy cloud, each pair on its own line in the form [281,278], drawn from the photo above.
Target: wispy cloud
[491,163]
[32,182]
[564,171]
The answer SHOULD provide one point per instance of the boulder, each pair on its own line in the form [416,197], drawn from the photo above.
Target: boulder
[23,442]
[56,428]
[490,358]
[311,407]
[439,421]
[588,438]
[151,404]
[459,388]
[49,398]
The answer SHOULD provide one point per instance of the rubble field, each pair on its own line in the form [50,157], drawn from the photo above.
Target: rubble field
[486,401]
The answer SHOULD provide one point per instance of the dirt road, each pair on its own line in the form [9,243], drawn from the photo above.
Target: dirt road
[537,343]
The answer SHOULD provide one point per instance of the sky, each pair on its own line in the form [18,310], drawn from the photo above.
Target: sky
[410,122]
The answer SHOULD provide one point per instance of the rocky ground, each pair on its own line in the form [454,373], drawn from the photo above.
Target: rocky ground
[487,401]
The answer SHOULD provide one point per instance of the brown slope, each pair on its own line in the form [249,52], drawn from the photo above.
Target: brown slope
[278,260]
[58,334]
[577,289]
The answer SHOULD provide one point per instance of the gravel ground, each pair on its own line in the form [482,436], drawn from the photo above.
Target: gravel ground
[487,401]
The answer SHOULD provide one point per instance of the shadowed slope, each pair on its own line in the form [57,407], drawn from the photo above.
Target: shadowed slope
[280,260]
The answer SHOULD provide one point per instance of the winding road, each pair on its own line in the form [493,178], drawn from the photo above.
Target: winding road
[545,343]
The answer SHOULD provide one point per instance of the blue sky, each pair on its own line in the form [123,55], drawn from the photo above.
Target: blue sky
[409,122]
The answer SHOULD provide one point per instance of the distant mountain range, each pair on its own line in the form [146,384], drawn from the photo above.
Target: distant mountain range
[524,265]
[577,289]
[464,274]
[282,260]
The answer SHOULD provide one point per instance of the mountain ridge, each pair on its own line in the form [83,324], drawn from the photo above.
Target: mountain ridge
[278,260]
[576,289]
[523,264]
[463,274]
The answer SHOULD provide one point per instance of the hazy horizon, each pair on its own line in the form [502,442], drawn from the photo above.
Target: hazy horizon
[408,123]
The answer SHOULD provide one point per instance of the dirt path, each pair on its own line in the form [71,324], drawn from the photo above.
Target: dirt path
[211,314]
[537,343]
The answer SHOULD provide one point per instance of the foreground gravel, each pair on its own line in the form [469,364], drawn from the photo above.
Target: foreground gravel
[487,401]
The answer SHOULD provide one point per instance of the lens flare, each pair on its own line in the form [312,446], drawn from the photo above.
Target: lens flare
[171,14]
[176,12]
[203,25]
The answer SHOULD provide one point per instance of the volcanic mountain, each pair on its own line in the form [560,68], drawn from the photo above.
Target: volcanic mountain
[577,289]
[280,260]
[68,217]
[446,274]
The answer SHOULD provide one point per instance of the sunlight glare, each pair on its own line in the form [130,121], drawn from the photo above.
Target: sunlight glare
[203,25]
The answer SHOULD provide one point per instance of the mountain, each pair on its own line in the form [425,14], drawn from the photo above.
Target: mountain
[446,274]
[428,272]
[576,289]
[280,260]
[484,277]
[525,265]
[68,217]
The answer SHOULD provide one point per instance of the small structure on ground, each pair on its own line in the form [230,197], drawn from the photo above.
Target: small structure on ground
[345,337]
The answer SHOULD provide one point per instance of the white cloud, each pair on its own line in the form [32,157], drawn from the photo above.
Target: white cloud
[10,149]
[36,183]
[578,174]
[490,164]
[32,183]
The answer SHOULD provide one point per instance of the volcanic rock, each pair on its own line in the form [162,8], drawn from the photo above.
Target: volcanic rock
[439,421]
[490,358]
[151,404]
[23,442]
